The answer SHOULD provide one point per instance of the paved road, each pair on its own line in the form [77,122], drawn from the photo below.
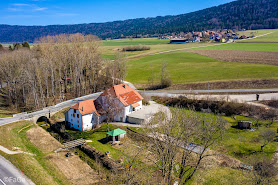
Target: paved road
[10,175]
[173,93]
[213,91]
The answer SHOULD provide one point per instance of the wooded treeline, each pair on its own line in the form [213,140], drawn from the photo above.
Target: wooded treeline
[241,14]
[58,68]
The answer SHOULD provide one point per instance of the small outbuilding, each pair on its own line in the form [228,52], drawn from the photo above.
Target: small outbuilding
[244,125]
[117,134]
[178,41]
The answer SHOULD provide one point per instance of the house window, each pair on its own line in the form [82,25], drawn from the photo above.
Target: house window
[77,121]
[72,124]
[71,120]
[77,115]
[74,115]
[78,126]
[74,110]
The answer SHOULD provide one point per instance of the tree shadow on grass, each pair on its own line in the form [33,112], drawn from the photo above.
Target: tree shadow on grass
[105,140]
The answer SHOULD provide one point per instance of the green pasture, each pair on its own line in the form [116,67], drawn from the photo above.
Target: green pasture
[269,47]
[189,68]
[134,41]
[273,37]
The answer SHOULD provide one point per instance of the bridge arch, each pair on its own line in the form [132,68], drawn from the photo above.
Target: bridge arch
[42,119]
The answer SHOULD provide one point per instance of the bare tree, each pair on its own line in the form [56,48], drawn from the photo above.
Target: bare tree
[112,107]
[165,80]
[59,67]
[175,134]
[267,136]
[263,171]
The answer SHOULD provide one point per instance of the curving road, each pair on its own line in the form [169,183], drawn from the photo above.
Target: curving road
[10,175]
[173,93]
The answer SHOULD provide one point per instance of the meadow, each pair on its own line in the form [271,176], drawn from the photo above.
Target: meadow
[273,37]
[111,47]
[134,41]
[189,68]
[268,47]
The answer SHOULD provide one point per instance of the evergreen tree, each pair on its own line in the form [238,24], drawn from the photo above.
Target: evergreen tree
[26,45]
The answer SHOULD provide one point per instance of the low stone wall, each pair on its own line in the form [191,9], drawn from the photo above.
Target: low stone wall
[90,151]
[20,114]
[102,158]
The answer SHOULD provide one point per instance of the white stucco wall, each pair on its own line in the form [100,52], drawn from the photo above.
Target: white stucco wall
[88,121]
[83,123]
[75,122]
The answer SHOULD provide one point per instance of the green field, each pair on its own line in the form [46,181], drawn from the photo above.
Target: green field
[270,47]
[188,68]
[126,42]
[273,37]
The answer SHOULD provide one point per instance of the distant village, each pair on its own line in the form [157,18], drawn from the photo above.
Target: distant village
[224,35]
[220,35]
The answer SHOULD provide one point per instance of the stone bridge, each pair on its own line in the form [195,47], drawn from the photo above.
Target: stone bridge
[38,116]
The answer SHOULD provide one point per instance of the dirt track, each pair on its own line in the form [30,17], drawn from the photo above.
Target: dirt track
[257,57]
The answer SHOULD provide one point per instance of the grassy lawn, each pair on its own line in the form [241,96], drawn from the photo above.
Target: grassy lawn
[221,175]
[188,68]
[36,167]
[98,138]
[244,143]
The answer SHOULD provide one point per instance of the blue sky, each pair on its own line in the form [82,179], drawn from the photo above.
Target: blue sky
[48,12]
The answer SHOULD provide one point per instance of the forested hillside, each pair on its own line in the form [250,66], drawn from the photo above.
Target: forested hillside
[248,14]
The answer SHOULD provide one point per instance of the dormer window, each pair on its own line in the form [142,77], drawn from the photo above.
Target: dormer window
[123,86]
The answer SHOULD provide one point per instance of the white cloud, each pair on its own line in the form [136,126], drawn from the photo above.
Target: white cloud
[20,4]
[39,9]
[20,7]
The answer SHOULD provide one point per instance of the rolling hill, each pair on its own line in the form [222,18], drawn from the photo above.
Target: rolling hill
[248,14]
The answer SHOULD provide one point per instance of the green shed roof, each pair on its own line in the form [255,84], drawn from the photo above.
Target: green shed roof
[116,132]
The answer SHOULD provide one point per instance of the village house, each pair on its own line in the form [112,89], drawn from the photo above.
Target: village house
[85,115]
[127,99]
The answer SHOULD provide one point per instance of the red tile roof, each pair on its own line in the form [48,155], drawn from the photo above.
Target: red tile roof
[124,93]
[130,97]
[86,107]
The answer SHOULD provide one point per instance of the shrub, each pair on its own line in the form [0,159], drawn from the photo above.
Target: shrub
[136,48]
[146,99]
[166,82]
[221,107]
